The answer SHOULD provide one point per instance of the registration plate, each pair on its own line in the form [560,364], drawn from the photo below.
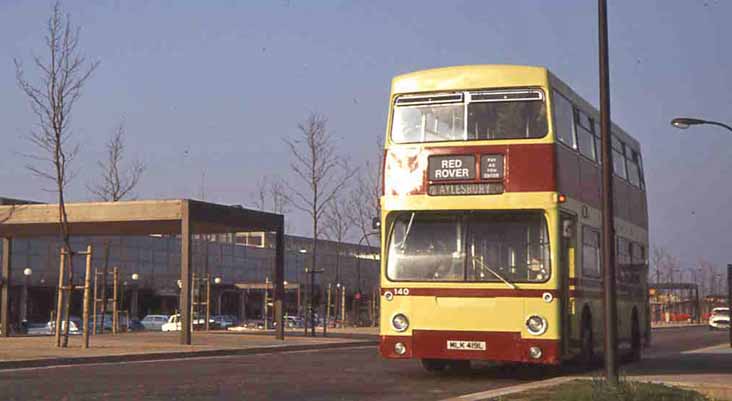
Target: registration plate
[466,345]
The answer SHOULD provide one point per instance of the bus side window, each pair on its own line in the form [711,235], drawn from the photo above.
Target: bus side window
[564,120]
[585,136]
[619,158]
[591,261]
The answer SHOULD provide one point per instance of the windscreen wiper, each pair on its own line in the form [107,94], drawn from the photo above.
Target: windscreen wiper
[508,283]
[406,233]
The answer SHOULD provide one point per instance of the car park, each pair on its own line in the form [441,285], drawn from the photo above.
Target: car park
[154,322]
[719,319]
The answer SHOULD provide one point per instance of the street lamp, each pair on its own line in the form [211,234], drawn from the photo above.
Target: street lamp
[217,280]
[135,302]
[26,277]
[686,122]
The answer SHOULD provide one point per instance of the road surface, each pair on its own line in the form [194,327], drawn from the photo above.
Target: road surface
[345,374]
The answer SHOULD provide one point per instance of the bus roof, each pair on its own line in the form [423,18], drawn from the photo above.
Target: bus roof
[480,76]
[469,77]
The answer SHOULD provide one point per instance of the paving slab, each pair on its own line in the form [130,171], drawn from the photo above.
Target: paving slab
[17,352]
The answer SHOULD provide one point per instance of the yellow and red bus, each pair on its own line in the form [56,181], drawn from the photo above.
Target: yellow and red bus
[491,217]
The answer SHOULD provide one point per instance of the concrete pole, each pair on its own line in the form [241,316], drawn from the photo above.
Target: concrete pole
[60,296]
[327,311]
[185,275]
[608,227]
[95,303]
[208,299]
[729,298]
[5,283]
[115,300]
[87,284]
[343,306]
[279,282]
[265,311]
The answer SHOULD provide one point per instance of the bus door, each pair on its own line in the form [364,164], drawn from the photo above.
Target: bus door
[567,252]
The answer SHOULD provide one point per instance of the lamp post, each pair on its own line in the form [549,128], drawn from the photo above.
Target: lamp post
[135,302]
[729,298]
[217,281]
[608,230]
[686,122]
[179,283]
[26,301]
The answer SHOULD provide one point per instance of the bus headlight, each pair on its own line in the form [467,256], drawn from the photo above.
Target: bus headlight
[536,325]
[400,348]
[400,322]
[535,352]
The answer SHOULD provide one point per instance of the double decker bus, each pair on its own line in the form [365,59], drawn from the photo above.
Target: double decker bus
[491,221]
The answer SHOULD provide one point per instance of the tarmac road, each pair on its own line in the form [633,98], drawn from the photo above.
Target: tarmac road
[342,374]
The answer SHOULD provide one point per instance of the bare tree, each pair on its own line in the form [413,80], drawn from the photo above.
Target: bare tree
[61,79]
[364,202]
[337,227]
[271,194]
[322,171]
[708,276]
[116,182]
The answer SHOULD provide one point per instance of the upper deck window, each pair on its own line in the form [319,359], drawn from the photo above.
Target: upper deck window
[500,114]
[564,120]
[585,135]
[619,158]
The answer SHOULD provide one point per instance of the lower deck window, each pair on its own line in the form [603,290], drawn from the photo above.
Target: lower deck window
[472,247]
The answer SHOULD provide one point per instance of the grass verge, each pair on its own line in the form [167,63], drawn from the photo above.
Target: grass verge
[600,390]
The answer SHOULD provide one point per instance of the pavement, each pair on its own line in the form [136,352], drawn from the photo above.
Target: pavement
[674,359]
[36,351]
[707,370]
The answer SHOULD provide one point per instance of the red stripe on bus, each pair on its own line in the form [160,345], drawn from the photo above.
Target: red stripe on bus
[499,346]
[529,167]
[469,292]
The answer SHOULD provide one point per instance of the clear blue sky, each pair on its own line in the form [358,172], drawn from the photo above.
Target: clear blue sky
[214,86]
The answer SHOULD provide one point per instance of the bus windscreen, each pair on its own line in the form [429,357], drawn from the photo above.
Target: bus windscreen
[469,247]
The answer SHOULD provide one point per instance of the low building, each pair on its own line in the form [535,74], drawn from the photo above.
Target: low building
[238,266]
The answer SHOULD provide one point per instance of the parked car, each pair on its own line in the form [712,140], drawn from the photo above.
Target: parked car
[75,325]
[135,325]
[173,323]
[154,322]
[292,322]
[121,319]
[225,321]
[38,329]
[719,319]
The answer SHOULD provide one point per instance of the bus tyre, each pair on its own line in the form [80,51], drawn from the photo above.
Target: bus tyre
[434,365]
[635,340]
[587,353]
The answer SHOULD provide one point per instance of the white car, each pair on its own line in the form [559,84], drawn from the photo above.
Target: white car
[719,319]
[174,323]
